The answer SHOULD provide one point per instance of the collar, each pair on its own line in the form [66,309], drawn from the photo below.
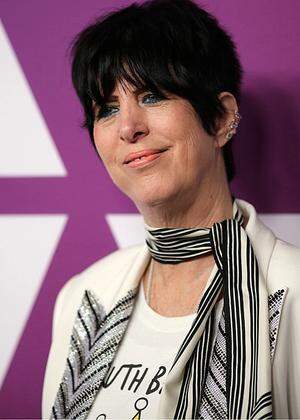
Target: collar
[262,238]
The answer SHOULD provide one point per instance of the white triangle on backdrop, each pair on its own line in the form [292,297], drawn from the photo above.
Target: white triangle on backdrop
[128,229]
[26,146]
[286,226]
[27,245]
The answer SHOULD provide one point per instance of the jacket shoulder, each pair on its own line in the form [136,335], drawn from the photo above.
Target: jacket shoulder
[102,275]
[105,267]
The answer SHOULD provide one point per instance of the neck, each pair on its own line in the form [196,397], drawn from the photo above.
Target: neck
[202,208]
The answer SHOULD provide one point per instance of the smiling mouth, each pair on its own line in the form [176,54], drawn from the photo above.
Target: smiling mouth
[144,160]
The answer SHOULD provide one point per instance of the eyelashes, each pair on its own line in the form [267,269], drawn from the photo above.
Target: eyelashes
[107,111]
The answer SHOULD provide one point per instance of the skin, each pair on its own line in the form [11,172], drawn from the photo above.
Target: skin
[185,187]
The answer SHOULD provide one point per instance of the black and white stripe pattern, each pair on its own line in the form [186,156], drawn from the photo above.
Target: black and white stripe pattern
[94,341]
[195,376]
[181,245]
[247,383]
[175,245]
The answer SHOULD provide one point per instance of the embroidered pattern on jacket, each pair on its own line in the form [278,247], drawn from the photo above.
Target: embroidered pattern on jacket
[275,301]
[94,341]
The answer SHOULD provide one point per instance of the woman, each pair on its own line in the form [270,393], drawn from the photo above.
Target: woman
[187,325]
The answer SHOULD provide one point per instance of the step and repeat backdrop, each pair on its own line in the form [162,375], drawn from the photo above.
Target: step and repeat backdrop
[59,211]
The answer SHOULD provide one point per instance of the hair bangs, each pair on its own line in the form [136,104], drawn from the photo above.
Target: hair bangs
[130,61]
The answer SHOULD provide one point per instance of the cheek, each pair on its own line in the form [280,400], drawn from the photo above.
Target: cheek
[101,151]
[108,158]
[107,151]
[194,141]
[197,152]
[103,145]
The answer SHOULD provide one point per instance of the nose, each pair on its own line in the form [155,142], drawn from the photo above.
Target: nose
[133,125]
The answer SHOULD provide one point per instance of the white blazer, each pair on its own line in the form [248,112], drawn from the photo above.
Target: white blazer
[109,278]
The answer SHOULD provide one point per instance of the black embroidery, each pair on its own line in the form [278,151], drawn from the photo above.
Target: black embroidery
[275,302]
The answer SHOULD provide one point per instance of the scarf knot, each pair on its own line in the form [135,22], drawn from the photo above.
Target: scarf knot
[176,245]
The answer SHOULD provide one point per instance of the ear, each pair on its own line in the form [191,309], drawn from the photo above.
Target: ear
[223,124]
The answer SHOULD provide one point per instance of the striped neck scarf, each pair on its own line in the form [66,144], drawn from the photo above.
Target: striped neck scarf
[229,376]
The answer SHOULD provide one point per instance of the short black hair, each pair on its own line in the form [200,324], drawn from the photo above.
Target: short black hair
[158,45]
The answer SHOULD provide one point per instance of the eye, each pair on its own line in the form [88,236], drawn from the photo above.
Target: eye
[105,111]
[152,98]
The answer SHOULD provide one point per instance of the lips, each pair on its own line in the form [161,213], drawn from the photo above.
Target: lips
[139,155]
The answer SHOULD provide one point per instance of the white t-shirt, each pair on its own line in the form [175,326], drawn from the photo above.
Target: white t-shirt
[132,387]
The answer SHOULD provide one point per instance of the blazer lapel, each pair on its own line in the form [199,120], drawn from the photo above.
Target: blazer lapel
[263,241]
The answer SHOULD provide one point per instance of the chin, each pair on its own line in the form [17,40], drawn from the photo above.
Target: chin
[153,197]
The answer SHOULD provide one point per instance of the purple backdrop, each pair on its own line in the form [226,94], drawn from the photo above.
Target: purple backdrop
[267,148]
